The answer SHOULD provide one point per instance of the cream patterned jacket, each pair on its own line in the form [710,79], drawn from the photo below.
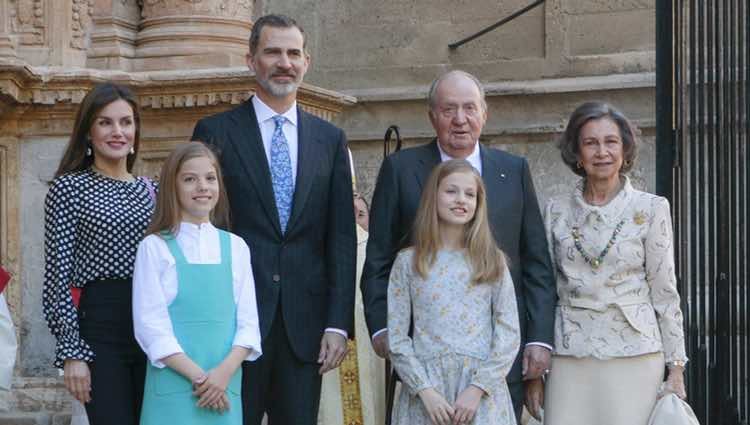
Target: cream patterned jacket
[629,304]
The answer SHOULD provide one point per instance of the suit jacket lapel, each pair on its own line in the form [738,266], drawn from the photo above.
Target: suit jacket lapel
[426,163]
[493,175]
[307,163]
[248,145]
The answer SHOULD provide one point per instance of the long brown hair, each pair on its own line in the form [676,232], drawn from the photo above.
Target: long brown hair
[487,260]
[167,214]
[75,158]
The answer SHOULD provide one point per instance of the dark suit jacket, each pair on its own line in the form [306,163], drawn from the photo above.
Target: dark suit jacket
[516,223]
[310,270]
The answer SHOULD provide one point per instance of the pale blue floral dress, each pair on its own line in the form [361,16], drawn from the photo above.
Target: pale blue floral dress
[464,334]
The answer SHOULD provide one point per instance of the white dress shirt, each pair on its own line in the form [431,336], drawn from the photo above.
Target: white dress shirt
[474,157]
[155,287]
[267,126]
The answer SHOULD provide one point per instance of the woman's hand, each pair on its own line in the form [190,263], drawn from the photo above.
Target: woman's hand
[534,399]
[213,387]
[78,379]
[439,410]
[466,405]
[675,382]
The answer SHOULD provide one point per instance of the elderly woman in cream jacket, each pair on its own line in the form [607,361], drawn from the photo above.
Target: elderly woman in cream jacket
[618,320]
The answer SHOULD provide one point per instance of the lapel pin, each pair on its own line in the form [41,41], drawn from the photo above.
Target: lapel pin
[502,175]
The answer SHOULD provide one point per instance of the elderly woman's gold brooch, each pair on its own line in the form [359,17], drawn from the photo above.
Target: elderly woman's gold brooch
[639,217]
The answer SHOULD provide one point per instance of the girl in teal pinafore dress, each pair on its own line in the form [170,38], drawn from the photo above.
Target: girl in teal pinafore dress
[194,308]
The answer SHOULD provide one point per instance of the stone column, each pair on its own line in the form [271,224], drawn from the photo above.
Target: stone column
[192,34]
[114,34]
[7,45]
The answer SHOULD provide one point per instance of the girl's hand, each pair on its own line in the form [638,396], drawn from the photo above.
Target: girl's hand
[466,405]
[535,397]
[78,379]
[439,410]
[213,387]
[222,405]
[675,383]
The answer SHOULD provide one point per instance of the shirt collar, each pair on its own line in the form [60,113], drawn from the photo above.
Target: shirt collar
[474,157]
[610,212]
[264,112]
[192,228]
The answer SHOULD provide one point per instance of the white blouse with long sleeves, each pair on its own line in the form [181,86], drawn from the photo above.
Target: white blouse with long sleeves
[155,287]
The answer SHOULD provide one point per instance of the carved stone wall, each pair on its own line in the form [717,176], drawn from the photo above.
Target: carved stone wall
[193,33]
[7,42]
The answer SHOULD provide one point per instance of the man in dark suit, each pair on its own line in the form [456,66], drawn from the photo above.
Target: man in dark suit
[290,191]
[458,113]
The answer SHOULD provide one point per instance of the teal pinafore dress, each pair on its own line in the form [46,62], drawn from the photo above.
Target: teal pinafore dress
[204,320]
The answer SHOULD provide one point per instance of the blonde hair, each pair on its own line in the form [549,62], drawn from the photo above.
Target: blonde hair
[167,214]
[488,262]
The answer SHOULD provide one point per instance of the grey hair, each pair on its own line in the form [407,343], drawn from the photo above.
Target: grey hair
[569,141]
[432,94]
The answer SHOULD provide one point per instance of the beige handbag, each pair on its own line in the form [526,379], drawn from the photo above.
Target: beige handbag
[672,410]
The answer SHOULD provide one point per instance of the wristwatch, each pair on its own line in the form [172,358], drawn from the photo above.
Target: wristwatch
[677,363]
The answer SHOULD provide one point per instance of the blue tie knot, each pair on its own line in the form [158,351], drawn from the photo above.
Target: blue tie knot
[279,120]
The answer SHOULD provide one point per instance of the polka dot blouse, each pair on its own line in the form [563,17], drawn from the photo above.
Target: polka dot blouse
[92,225]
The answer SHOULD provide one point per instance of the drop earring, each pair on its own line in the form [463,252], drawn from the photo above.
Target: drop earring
[132,150]
[88,151]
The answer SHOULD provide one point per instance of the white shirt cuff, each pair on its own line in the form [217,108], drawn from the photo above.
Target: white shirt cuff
[541,344]
[379,332]
[338,331]
[162,349]
[249,341]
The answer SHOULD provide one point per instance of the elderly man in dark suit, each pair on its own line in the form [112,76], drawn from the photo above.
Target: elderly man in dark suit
[289,185]
[458,113]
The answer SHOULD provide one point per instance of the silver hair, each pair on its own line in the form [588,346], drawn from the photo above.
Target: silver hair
[431,96]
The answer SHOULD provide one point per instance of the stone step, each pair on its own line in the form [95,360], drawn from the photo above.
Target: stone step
[14,418]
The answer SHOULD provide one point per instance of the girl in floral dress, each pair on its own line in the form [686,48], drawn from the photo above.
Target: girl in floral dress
[453,289]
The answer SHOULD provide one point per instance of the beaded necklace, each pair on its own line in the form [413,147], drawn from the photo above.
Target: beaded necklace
[595,262]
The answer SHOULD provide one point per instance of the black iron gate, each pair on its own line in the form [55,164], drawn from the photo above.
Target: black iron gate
[703,48]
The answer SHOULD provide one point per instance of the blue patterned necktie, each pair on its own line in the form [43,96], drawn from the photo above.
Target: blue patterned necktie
[281,172]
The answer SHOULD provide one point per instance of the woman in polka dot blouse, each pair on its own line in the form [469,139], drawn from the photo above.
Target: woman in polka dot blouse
[96,213]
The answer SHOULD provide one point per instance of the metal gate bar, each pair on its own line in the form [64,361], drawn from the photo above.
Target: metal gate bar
[703,161]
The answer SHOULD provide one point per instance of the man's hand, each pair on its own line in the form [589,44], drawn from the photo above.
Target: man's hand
[534,399]
[439,410]
[332,351]
[466,405]
[78,379]
[380,344]
[536,361]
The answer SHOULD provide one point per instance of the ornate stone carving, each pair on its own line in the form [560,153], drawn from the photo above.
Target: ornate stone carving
[28,21]
[240,9]
[82,11]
